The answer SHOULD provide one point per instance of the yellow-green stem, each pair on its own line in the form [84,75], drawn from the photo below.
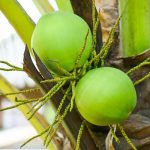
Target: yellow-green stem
[64,5]
[43,6]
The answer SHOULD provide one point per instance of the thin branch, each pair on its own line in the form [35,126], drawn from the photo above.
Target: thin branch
[34,137]
[93,13]
[11,69]
[142,79]
[126,137]
[80,135]
[81,51]
[57,79]
[145,62]
[107,45]
[73,95]
[59,122]
[57,113]
[17,105]
[45,99]
[20,92]
[47,95]
[113,134]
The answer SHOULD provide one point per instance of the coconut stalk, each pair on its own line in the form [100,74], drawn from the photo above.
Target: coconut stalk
[134,26]
[43,6]
[64,5]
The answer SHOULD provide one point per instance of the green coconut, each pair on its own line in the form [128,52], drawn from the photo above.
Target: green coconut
[58,39]
[105,96]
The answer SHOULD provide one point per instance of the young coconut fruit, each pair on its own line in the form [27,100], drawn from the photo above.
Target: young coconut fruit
[105,96]
[58,39]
